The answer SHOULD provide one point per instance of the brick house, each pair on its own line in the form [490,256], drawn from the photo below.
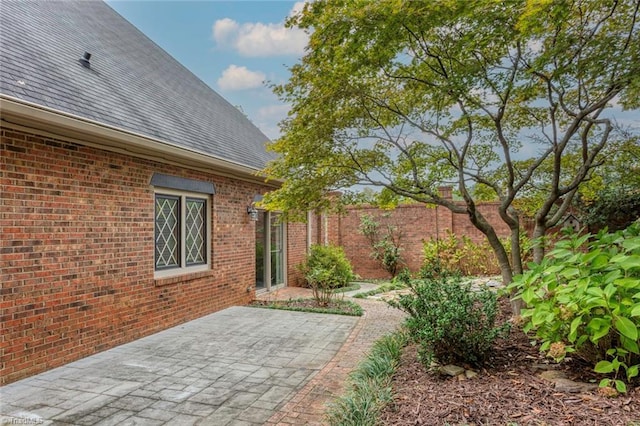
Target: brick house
[126,185]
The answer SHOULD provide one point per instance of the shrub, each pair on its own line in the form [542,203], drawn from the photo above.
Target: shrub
[454,254]
[385,245]
[613,207]
[403,277]
[584,298]
[325,269]
[449,321]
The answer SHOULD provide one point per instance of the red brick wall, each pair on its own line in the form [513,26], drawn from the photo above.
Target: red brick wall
[416,222]
[462,225]
[296,251]
[77,257]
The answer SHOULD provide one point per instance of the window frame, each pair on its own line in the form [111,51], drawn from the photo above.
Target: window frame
[184,267]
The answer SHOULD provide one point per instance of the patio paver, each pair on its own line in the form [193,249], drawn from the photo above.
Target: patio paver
[239,366]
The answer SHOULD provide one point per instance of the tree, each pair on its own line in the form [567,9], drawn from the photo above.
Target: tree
[411,95]
[385,241]
[612,197]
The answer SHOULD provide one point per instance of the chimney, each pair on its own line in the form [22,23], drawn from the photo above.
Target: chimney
[446,192]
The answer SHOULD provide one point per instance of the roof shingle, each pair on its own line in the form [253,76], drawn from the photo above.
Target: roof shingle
[132,83]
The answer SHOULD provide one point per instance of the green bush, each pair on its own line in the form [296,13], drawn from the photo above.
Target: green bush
[613,207]
[385,244]
[325,269]
[454,254]
[449,321]
[584,298]
[443,252]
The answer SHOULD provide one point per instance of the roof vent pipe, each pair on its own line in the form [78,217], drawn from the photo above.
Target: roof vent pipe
[85,60]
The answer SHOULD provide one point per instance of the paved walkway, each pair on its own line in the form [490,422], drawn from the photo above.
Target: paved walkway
[308,407]
[239,366]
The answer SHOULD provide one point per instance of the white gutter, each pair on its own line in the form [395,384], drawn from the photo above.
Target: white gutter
[90,132]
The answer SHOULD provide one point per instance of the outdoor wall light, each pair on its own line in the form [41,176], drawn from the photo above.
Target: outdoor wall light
[253,213]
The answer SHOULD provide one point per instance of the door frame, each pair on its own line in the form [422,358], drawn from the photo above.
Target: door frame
[266,258]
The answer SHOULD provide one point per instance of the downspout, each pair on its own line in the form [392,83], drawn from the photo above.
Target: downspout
[309,231]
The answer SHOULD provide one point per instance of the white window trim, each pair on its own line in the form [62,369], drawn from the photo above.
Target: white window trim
[184,269]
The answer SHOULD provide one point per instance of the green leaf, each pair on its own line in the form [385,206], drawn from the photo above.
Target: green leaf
[599,334]
[589,256]
[600,262]
[627,262]
[609,291]
[631,244]
[635,312]
[560,253]
[599,328]
[539,317]
[632,372]
[592,302]
[628,282]
[570,272]
[615,363]
[603,367]
[583,338]
[528,295]
[554,269]
[621,386]
[574,328]
[631,262]
[626,327]
[596,291]
[612,275]
[630,345]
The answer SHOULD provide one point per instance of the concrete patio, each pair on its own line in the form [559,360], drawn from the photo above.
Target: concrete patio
[239,366]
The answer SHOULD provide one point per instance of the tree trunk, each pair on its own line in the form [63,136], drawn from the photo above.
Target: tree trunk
[496,245]
[516,268]
[505,267]
[516,251]
[538,249]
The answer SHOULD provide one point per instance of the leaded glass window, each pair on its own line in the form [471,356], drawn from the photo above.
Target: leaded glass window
[181,234]
[195,231]
[167,231]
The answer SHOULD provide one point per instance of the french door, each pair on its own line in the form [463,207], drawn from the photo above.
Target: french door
[270,251]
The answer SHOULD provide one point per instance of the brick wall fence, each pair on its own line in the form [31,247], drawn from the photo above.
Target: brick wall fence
[416,222]
[77,252]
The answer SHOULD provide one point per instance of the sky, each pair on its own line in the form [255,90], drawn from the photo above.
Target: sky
[240,47]
[236,47]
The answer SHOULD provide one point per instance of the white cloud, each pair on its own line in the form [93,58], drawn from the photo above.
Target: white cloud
[224,30]
[257,39]
[240,78]
[270,40]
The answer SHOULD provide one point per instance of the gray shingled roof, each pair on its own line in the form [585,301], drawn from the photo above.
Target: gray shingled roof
[132,84]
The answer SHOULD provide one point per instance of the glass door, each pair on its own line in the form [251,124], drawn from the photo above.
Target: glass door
[260,251]
[270,251]
[277,250]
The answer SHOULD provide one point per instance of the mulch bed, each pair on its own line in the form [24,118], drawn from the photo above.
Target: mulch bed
[309,305]
[508,391]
